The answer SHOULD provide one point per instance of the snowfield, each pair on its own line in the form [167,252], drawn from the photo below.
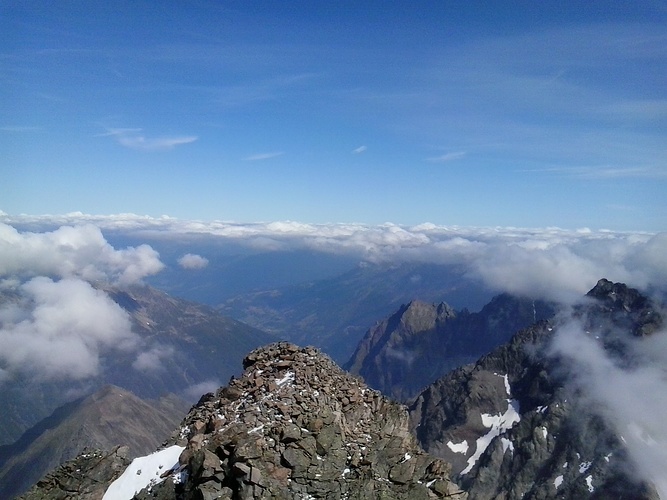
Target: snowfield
[142,472]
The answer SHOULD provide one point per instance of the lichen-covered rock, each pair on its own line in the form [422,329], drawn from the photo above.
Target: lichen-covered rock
[296,426]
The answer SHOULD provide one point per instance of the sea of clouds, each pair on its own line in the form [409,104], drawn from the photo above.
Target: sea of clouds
[46,257]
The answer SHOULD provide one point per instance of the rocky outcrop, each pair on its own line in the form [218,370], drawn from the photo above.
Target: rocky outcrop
[295,425]
[511,425]
[617,306]
[83,478]
[421,342]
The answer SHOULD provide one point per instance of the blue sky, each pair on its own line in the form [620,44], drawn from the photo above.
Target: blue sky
[527,114]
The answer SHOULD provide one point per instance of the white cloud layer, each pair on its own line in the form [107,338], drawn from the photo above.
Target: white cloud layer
[548,262]
[633,399]
[192,261]
[73,251]
[60,329]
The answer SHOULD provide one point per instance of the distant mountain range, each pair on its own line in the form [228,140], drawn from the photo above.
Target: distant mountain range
[512,425]
[333,314]
[528,419]
[421,342]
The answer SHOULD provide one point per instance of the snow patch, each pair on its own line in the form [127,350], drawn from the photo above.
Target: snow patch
[507,445]
[558,481]
[461,447]
[589,483]
[497,425]
[143,472]
[289,377]
[584,466]
[506,380]
[545,433]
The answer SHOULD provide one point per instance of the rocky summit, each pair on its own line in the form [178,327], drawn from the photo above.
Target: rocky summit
[294,425]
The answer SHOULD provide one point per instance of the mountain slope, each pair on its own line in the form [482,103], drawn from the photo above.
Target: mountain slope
[513,425]
[421,342]
[105,419]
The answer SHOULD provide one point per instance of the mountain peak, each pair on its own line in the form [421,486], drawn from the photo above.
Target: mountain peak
[626,306]
[296,425]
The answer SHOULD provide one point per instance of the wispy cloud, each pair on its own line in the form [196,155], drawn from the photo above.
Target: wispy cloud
[263,156]
[133,138]
[447,157]
[359,150]
[606,172]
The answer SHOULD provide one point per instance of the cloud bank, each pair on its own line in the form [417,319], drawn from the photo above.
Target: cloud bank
[73,251]
[58,330]
[54,325]
[551,263]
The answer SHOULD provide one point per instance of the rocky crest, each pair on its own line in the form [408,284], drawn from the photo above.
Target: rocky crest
[296,425]
[622,307]
[83,478]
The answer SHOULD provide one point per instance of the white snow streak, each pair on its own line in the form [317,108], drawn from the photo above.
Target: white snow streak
[497,425]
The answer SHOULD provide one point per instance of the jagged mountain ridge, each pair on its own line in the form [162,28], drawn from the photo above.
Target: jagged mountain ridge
[513,428]
[421,342]
[294,425]
[108,418]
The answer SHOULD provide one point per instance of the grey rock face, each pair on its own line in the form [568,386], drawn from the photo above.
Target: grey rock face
[421,342]
[513,428]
